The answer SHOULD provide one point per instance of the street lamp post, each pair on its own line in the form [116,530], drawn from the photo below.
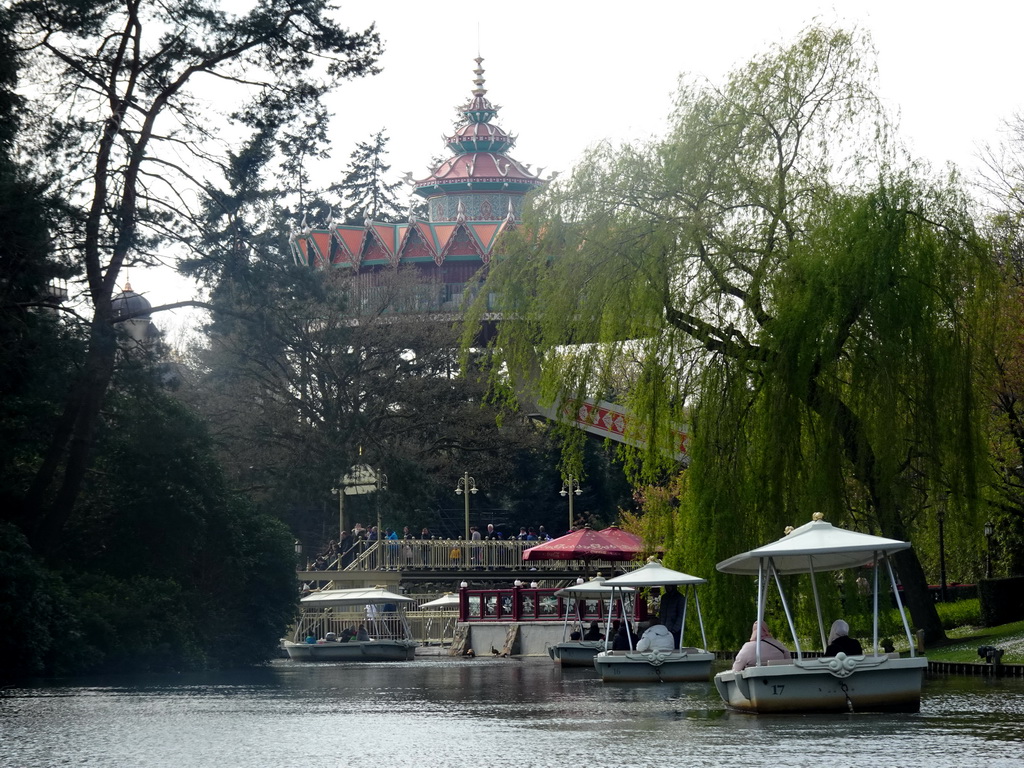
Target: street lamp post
[990,529]
[941,516]
[382,485]
[340,493]
[466,485]
[570,488]
[298,554]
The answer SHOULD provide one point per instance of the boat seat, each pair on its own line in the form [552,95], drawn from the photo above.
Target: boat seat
[893,655]
[690,649]
[779,662]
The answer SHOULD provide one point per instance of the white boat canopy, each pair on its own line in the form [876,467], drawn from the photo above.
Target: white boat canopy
[360,596]
[595,589]
[447,600]
[814,546]
[654,574]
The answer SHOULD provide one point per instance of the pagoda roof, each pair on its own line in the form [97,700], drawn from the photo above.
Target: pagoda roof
[478,171]
[406,243]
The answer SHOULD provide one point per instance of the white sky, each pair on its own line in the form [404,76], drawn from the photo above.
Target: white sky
[568,73]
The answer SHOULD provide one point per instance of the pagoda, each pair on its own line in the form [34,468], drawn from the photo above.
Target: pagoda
[472,197]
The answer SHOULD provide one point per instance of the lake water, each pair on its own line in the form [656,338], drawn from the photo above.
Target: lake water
[437,712]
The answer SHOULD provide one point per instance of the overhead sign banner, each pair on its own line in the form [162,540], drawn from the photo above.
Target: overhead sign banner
[362,479]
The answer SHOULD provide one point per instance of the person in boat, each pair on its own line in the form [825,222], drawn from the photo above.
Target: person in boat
[656,638]
[770,648]
[593,632]
[331,637]
[362,635]
[671,612]
[310,639]
[347,634]
[839,640]
[575,635]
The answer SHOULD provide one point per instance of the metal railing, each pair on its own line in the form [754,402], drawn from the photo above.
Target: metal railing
[379,623]
[459,555]
[433,626]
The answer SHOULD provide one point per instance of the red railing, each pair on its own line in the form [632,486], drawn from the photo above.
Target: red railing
[532,604]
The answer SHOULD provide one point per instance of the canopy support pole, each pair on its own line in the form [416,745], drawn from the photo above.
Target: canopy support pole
[700,620]
[817,604]
[682,627]
[761,570]
[899,606]
[785,607]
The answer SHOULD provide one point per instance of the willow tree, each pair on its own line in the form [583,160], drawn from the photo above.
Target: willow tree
[768,275]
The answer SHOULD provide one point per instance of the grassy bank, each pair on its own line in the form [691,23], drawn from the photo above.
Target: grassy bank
[964,641]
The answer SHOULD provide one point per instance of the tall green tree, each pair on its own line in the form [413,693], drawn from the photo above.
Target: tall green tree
[1001,183]
[770,277]
[120,91]
[366,191]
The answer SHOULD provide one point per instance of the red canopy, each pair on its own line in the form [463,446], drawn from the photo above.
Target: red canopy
[585,544]
[624,538]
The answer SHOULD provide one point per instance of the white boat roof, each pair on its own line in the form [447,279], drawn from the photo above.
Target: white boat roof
[359,596]
[447,600]
[817,546]
[595,588]
[654,574]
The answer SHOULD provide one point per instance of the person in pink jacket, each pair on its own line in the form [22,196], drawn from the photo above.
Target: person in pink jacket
[770,648]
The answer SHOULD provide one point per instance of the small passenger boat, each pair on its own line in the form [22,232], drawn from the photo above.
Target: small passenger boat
[580,653]
[873,682]
[329,622]
[682,663]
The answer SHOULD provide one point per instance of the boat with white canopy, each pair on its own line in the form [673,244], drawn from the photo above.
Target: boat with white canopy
[329,626]
[873,682]
[682,663]
[580,653]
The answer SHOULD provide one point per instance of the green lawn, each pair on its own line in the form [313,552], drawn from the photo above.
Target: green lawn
[964,641]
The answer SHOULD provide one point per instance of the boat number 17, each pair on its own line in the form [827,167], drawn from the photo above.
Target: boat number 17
[777,690]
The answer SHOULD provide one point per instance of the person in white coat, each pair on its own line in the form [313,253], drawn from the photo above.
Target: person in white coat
[656,638]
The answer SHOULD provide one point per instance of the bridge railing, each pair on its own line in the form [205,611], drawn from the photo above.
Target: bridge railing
[459,555]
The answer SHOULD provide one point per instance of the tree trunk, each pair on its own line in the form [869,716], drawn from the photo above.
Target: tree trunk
[857,449]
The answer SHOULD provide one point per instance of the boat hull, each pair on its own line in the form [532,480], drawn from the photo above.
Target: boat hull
[686,666]
[839,684]
[354,650]
[576,654]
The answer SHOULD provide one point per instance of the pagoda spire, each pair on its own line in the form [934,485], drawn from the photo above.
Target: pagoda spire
[480,180]
[479,80]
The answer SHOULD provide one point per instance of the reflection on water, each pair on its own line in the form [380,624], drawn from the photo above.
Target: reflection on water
[480,712]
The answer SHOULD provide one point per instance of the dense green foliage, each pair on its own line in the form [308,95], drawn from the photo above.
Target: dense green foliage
[122,547]
[161,566]
[962,613]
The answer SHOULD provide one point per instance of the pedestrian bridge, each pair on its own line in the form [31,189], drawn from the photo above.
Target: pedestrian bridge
[447,559]
[607,420]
